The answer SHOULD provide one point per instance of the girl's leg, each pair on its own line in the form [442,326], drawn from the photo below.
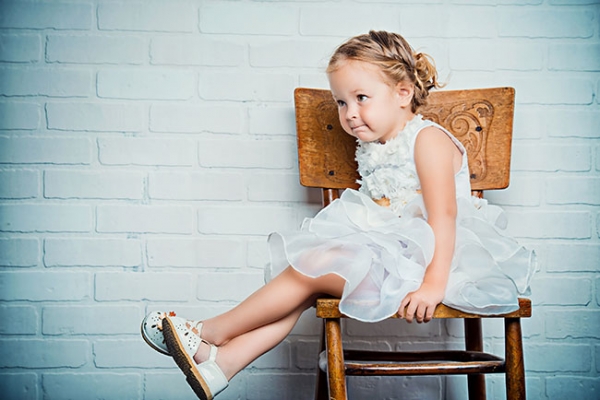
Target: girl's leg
[279,298]
[240,351]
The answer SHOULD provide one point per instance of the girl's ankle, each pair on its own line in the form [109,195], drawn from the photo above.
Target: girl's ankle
[203,353]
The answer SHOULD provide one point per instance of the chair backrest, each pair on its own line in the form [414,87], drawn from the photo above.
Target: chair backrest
[481,119]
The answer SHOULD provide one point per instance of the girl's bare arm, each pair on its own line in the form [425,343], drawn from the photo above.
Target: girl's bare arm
[437,159]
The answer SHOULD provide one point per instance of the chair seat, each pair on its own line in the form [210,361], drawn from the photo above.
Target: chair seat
[329,308]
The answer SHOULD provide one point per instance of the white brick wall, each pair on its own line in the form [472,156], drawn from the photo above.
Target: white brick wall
[147,149]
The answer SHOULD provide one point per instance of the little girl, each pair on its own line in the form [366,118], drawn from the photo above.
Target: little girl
[410,238]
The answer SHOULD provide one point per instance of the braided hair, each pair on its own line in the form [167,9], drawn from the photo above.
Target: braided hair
[396,58]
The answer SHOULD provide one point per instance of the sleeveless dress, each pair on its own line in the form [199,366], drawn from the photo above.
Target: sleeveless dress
[382,252]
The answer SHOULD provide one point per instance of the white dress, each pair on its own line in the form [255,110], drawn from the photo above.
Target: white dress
[382,252]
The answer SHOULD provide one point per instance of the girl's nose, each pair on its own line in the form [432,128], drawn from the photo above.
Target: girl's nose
[351,112]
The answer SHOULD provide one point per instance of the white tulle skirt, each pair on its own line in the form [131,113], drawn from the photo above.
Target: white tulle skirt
[383,257]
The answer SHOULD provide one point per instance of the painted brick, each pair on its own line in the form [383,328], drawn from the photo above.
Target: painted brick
[172,385]
[581,190]
[146,84]
[564,123]
[572,324]
[43,353]
[551,158]
[247,220]
[573,57]
[72,184]
[19,252]
[196,186]
[86,184]
[306,354]
[276,187]
[316,21]
[44,286]
[228,287]
[573,2]
[565,387]
[19,115]
[45,218]
[246,86]
[415,387]
[466,56]
[247,153]
[45,150]
[94,49]
[550,224]
[292,53]
[534,90]
[454,22]
[20,48]
[277,358]
[571,257]
[175,50]
[195,253]
[94,385]
[597,357]
[94,252]
[19,320]
[561,291]
[397,328]
[20,386]
[55,15]
[521,192]
[155,16]
[258,253]
[54,82]
[146,151]
[272,121]
[196,118]
[128,353]
[275,386]
[145,219]
[19,184]
[91,320]
[116,286]
[598,291]
[308,324]
[529,123]
[100,117]
[248,18]
[555,358]
[550,23]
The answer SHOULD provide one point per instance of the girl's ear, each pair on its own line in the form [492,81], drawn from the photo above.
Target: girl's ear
[405,91]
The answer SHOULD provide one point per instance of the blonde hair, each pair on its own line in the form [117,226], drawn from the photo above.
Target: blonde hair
[396,58]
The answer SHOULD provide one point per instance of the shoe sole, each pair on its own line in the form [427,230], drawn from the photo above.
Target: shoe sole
[185,363]
[149,342]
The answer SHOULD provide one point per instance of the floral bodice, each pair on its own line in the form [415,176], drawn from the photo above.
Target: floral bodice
[388,169]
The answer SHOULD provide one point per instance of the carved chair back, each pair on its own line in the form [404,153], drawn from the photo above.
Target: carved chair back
[481,119]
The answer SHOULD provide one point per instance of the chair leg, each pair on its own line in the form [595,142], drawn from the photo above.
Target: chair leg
[515,367]
[336,374]
[474,342]
[321,392]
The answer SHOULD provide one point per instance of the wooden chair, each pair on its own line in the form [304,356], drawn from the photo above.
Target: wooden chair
[482,120]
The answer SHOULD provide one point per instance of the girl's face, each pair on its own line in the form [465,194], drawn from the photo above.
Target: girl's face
[369,108]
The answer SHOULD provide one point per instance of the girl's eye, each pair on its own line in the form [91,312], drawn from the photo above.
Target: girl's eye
[340,103]
[361,97]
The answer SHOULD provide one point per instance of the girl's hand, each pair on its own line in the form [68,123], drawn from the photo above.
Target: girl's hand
[421,303]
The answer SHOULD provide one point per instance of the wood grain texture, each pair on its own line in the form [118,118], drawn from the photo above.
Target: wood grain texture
[481,119]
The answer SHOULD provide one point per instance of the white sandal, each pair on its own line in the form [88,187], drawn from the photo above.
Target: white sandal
[151,329]
[206,379]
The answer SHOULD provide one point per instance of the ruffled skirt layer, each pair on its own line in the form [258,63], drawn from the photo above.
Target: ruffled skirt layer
[383,257]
